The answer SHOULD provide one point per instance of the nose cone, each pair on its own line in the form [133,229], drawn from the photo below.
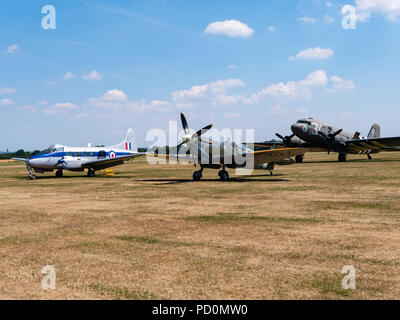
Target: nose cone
[296,128]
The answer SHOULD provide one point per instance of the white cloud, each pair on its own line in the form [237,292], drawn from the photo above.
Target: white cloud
[328,19]
[231,66]
[42,103]
[49,83]
[213,93]
[60,108]
[117,101]
[316,78]
[294,89]
[328,4]
[68,76]
[7,90]
[340,84]
[231,28]
[93,76]
[313,54]
[306,19]
[114,95]
[271,28]
[12,49]
[391,8]
[6,102]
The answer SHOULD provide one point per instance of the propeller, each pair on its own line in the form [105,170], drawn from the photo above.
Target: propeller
[286,139]
[190,139]
[330,138]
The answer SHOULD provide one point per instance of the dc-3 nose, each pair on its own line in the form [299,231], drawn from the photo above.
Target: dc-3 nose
[296,128]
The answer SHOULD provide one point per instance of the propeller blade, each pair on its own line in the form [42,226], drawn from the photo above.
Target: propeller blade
[337,132]
[184,124]
[207,141]
[279,136]
[202,131]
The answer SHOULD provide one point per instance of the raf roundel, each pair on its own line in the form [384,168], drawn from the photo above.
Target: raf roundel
[112,154]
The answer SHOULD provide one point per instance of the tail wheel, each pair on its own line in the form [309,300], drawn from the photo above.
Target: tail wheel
[32,177]
[59,173]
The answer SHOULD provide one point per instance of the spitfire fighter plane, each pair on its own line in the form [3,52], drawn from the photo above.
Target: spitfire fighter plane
[60,158]
[315,136]
[210,154]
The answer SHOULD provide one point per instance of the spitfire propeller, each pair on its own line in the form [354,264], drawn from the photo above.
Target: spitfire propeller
[287,139]
[188,139]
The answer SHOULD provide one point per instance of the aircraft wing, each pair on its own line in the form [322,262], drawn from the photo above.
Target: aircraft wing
[175,157]
[20,159]
[274,155]
[110,162]
[378,144]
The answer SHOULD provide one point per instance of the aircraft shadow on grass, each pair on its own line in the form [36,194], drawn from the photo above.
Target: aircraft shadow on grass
[252,178]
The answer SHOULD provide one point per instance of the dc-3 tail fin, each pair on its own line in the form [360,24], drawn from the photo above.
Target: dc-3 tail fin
[375,131]
[129,143]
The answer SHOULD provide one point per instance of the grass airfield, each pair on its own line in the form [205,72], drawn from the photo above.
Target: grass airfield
[150,232]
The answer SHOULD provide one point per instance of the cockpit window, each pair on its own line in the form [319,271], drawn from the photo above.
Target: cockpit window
[305,122]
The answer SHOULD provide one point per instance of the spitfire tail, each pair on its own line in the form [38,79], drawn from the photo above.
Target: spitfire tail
[128,143]
[375,131]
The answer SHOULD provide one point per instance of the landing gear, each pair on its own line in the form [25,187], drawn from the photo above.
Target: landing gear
[91,173]
[369,157]
[223,175]
[31,175]
[197,175]
[342,157]
[299,158]
[59,173]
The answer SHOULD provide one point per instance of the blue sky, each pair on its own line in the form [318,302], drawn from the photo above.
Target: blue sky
[111,65]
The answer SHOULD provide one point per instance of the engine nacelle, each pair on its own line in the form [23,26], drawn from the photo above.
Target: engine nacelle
[70,163]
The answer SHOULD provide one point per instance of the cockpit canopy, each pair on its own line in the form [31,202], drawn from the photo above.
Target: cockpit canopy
[304,122]
[54,148]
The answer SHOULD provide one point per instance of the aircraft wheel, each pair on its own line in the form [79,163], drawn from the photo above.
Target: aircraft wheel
[342,157]
[223,175]
[197,176]
[299,158]
[32,177]
[91,173]
[59,173]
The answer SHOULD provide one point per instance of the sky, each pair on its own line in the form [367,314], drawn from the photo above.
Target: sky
[106,66]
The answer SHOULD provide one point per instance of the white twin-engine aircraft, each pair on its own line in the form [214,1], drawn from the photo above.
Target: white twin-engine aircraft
[59,158]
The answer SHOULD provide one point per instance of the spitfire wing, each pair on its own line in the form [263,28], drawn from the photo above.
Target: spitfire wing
[275,155]
[110,162]
[175,157]
[378,144]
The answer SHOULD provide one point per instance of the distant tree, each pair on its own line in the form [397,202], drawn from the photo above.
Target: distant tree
[34,153]
[20,153]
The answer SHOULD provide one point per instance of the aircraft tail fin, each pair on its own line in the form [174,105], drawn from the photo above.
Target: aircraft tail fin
[375,131]
[128,143]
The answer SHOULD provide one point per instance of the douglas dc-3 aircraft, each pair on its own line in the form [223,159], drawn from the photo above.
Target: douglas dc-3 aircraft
[59,158]
[316,136]
[228,154]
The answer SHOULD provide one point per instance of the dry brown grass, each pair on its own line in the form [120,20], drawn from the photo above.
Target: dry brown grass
[150,232]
